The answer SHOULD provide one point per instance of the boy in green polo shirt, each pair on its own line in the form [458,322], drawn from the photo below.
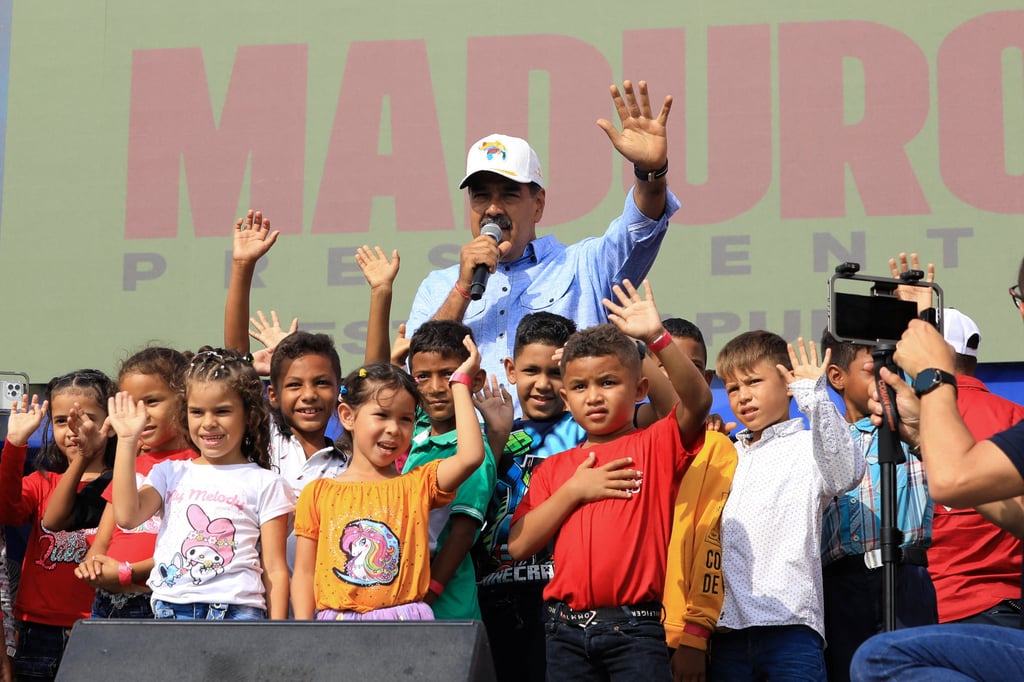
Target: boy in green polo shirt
[435,352]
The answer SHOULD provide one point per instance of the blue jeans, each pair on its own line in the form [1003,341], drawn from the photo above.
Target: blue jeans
[40,648]
[167,610]
[627,650]
[942,653]
[115,605]
[783,652]
[1004,614]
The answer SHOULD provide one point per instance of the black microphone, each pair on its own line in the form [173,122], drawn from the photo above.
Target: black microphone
[481,272]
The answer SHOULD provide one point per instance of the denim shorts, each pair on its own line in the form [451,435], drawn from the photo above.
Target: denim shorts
[115,605]
[170,611]
[40,648]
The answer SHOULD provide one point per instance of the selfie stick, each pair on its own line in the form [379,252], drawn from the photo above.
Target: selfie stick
[890,453]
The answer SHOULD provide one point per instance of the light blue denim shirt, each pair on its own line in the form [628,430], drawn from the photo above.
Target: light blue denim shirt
[566,280]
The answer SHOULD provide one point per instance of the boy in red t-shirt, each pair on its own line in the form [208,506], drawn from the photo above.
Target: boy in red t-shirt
[608,503]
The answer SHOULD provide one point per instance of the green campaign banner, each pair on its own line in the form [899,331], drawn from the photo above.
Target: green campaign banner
[801,136]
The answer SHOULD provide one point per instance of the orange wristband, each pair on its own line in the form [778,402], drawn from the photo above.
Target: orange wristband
[462,292]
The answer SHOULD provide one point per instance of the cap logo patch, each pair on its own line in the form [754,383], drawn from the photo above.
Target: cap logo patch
[492,149]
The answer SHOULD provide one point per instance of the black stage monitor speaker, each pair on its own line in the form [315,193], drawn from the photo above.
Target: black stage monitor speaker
[174,651]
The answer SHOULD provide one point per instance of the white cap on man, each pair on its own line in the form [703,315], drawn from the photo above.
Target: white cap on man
[505,155]
[960,332]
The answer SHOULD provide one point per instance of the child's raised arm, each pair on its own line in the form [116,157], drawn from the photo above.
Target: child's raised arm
[252,239]
[453,471]
[269,333]
[24,419]
[922,296]
[840,462]
[400,348]
[380,273]
[495,405]
[638,317]
[92,441]
[132,506]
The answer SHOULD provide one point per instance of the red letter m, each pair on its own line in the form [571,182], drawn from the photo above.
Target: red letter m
[264,117]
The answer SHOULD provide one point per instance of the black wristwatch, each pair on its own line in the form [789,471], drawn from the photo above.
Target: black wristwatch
[930,379]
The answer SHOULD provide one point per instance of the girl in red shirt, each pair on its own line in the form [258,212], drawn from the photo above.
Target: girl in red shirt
[50,598]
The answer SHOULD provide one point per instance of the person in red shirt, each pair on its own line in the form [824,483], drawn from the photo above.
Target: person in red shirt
[608,502]
[50,598]
[974,564]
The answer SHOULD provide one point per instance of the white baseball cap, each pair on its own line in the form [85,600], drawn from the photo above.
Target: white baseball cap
[505,155]
[960,332]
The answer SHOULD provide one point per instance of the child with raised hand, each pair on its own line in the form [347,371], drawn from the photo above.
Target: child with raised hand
[693,583]
[435,353]
[252,239]
[50,598]
[772,620]
[608,503]
[380,273]
[305,370]
[362,551]
[121,559]
[220,549]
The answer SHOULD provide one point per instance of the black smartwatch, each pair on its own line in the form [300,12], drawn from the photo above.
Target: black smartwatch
[930,379]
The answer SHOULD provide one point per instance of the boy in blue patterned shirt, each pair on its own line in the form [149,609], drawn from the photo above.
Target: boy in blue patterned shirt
[850,544]
[510,591]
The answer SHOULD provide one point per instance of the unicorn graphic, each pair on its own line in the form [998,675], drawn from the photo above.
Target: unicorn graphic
[373,554]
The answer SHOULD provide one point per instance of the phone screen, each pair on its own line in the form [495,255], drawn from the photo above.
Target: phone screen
[871,319]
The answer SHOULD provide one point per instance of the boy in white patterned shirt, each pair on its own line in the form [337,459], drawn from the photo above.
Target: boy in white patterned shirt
[772,622]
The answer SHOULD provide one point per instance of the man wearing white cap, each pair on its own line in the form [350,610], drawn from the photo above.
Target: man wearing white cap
[506,187]
[975,565]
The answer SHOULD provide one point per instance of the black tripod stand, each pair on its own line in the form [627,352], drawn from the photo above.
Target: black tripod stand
[890,453]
